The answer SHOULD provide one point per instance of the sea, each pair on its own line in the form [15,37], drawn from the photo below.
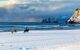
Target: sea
[20,26]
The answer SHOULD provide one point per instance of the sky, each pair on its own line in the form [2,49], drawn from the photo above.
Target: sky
[36,10]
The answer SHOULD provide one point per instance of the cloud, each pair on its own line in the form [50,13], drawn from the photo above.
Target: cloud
[32,20]
[33,9]
[39,5]
[44,1]
[36,8]
[7,3]
[50,6]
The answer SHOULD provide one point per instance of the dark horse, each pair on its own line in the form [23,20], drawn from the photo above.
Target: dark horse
[26,30]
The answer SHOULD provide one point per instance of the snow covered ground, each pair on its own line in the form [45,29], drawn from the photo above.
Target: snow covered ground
[41,40]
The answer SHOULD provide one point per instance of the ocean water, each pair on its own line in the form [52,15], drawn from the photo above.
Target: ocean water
[20,26]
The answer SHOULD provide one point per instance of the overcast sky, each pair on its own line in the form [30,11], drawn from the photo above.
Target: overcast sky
[35,10]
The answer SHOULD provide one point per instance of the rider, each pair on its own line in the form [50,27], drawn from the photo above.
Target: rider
[26,29]
[13,30]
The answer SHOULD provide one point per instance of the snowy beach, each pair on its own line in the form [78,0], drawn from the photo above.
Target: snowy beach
[41,40]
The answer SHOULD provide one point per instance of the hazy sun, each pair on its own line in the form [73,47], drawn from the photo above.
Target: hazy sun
[7,3]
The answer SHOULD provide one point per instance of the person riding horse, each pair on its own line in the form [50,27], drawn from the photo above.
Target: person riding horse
[26,29]
[13,30]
